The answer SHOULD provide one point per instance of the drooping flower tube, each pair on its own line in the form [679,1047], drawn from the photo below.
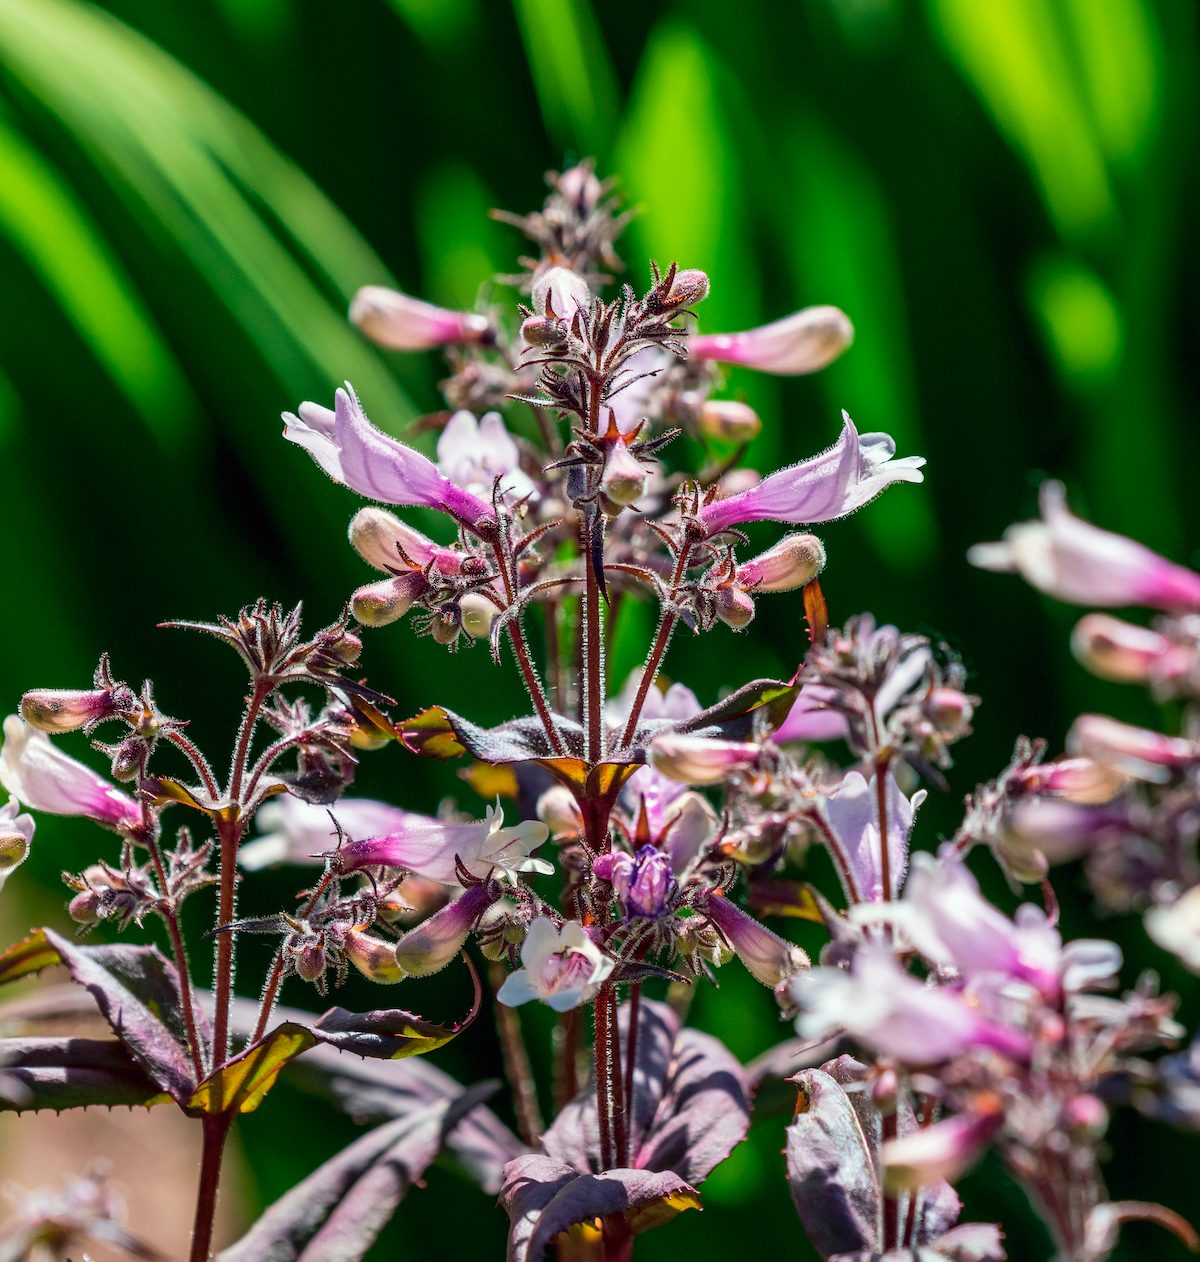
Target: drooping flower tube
[38,773]
[769,958]
[403,323]
[431,848]
[353,452]
[699,760]
[432,944]
[1135,751]
[1072,560]
[16,832]
[562,967]
[944,1150]
[803,342]
[838,481]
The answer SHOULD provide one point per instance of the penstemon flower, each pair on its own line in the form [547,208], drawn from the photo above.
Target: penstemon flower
[402,323]
[804,342]
[561,966]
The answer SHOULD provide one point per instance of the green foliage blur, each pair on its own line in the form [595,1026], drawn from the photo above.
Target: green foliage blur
[1001,194]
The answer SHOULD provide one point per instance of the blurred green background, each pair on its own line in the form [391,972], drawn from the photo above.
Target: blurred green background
[1002,195]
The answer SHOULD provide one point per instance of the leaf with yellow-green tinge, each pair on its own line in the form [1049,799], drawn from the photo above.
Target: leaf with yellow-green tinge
[240,1085]
[30,955]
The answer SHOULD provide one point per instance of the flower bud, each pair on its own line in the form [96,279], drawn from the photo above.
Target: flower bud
[378,604]
[84,908]
[1136,751]
[624,478]
[1086,1113]
[800,343]
[941,1151]
[735,608]
[793,562]
[1075,779]
[580,186]
[374,958]
[728,421]
[1117,650]
[435,942]
[699,760]
[689,287]
[386,543]
[65,710]
[641,882]
[401,323]
[308,957]
[544,331]
[769,958]
[478,613]
[558,810]
[558,291]
[950,711]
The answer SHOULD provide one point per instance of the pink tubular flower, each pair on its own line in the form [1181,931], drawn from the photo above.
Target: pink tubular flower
[562,967]
[431,848]
[39,774]
[838,481]
[699,760]
[401,323]
[794,561]
[852,814]
[803,342]
[941,1151]
[1074,561]
[769,958]
[387,544]
[1136,751]
[353,452]
[893,1013]
[430,946]
[1127,653]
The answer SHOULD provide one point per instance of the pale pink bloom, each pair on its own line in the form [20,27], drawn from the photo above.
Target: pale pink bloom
[838,481]
[769,958]
[65,710]
[1126,653]
[561,292]
[698,759]
[811,718]
[432,848]
[1136,751]
[894,1014]
[1074,561]
[728,420]
[402,323]
[944,1150]
[38,773]
[292,831]
[386,543]
[1082,780]
[1176,928]
[794,561]
[851,812]
[473,454]
[561,967]
[353,452]
[16,833]
[430,946]
[803,342]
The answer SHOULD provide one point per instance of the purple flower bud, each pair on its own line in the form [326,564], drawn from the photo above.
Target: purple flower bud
[308,958]
[769,958]
[689,287]
[65,710]
[401,323]
[734,607]
[642,882]
[838,481]
[39,774]
[728,421]
[803,342]
[1118,650]
[793,562]
[378,604]
[1136,751]
[580,186]
[544,331]
[698,759]
[1074,561]
[353,452]
[624,478]
[430,946]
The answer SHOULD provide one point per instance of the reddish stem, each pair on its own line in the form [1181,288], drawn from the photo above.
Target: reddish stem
[215,1129]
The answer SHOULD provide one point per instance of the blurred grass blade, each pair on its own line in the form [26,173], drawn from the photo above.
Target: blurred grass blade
[574,79]
[437,23]
[1079,319]
[43,220]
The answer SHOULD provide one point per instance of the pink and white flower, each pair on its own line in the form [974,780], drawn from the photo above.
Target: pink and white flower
[403,323]
[803,342]
[1135,751]
[837,482]
[1072,560]
[562,967]
[353,452]
[35,771]
[474,453]
[16,833]
[432,848]
[851,812]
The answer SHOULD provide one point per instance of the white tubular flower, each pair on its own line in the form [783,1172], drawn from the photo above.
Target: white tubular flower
[561,967]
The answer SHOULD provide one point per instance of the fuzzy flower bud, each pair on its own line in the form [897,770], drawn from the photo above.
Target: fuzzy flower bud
[65,710]
[374,958]
[378,604]
[793,562]
[1118,650]
[386,543]
[803,342]
[728,421]
[477,614]
[560,292]
[769,958]
[698,760]
[734,607]
[430,946]
[401,323]
[689,287]
[641,882]
[543,331]
[624,478]
[1136,751]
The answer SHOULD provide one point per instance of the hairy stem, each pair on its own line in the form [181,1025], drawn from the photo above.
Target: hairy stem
[230,832]
[516,1064]
[215,1129]
[593,655]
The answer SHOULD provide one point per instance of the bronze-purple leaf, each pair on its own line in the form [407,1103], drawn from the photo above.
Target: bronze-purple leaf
[72,1073]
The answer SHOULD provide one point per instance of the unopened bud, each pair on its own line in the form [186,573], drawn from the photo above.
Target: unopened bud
[1136,751]
[803,342]
[1080,780]
[558,291]
[769,958]
[1086,1113]
[430,946]
[402,323]
[84,908]
[445,625]
[378,604]
[698,760]
[347,648]
[950,710]
[1117,650]
[544,331]
[735,608]
[388,544]
[624,478]
[728,421]
[373,957]
[308,958]
[128,757]
[689,287]
[559,811]
[793,562]
[885,1091]
[478,614]
[580,186]
[66,710]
